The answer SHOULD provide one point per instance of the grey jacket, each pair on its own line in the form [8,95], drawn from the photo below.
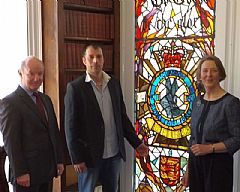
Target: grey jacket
[222,123]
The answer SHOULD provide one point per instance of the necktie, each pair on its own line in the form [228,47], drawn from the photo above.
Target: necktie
[40,106]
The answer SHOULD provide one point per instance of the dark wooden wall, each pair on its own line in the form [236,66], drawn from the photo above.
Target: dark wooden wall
[68,25]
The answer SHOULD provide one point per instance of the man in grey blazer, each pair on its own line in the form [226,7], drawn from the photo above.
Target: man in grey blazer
[96,124]
[31,139]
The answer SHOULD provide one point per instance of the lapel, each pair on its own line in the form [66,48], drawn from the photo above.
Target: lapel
[198,108]
[30,103]
[87,88]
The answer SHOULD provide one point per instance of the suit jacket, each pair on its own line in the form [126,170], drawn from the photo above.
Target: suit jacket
[3,179]
[84,125]
[32,144]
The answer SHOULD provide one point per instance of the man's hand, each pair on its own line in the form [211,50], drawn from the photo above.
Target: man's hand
[81,167]
[24,180]
[185,179]
[142,149]
[60,169]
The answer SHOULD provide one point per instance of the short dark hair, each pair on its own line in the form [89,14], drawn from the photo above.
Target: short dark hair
[218,63]
[93,45]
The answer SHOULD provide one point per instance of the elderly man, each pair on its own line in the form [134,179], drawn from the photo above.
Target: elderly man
[30,132]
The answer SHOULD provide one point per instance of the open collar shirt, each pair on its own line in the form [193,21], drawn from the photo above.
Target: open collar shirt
[105,104]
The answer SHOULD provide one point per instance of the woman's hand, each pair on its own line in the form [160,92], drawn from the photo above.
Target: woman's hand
[201,149]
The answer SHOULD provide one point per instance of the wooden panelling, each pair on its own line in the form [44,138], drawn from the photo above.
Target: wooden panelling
[92,25]
[94,3]
[73,58]
[68,25]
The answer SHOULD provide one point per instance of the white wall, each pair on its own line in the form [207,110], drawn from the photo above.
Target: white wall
[227,48]
[127,46]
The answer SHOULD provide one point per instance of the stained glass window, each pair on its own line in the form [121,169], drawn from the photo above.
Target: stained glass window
[171,36]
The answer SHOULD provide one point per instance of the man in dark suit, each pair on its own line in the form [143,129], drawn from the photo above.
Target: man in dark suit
[3,179]
[31,137]
[96,124]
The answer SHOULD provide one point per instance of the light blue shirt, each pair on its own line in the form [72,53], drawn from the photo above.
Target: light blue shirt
[30,93]
[105,104]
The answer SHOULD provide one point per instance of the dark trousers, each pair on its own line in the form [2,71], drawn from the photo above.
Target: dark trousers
[44,187]
[3,179]
[211,173]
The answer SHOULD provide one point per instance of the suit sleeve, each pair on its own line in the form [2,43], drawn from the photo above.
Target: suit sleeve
[55,133]
[232,111]
[128,129]
[10,120]
[76,147]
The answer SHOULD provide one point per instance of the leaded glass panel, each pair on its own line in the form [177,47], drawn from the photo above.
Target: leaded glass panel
[171,36]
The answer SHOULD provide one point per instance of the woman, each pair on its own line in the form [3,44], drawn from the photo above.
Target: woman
[215,132]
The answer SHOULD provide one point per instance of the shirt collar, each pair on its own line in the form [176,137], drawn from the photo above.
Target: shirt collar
[106,78]
[30,93]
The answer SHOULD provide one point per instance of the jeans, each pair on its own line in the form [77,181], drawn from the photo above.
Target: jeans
[106,171]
